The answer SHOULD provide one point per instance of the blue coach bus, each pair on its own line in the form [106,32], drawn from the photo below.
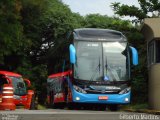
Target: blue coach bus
[101,61]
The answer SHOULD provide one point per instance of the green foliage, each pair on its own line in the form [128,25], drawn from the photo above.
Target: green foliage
[136,107]
[125,10]
[146,7]
[11,29]
[103,21]
[139,74]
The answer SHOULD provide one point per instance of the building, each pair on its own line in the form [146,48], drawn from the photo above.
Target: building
[151,32]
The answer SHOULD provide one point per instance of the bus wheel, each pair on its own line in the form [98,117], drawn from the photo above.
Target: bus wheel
[59,105]
[74,106]
[70,106]
[113,107]
[102,107]
[54,105]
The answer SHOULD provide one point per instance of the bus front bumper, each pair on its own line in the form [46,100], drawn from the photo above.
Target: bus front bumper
[96,98]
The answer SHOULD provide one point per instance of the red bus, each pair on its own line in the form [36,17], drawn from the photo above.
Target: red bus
[58,90]
[21,96]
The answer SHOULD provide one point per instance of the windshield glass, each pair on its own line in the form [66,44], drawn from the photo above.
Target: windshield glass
[115,61]
[89,61]
[101,61]
[19,85]
[55,84]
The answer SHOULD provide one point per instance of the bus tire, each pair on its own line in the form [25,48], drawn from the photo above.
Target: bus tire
[113,107]
[102,107]
[57,105]
[71,106]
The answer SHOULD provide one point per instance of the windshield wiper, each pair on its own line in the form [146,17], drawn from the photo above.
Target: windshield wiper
[98,68]
[112,72]
[106,78]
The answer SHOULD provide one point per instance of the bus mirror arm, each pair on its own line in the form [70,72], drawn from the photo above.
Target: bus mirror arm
[8,79]
[134,55]
[28,82]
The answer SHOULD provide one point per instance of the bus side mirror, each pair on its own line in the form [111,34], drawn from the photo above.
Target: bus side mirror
[72,52]
[28,82]
[134,56]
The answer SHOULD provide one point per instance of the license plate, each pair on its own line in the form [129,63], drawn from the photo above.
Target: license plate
[103,97]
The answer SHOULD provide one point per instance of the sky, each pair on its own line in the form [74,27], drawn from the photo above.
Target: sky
[84,7]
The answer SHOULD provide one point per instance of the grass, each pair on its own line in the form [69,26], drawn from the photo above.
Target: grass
[141,108]
[137,106]
[41,107]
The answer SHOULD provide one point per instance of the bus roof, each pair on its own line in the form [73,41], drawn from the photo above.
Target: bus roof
[60,74]
[7,73]
[96,34]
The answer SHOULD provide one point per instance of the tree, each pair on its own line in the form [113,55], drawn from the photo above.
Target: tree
[103,21]
[139,74]
[60,20]
[45,26]
[11,34]
[146,7]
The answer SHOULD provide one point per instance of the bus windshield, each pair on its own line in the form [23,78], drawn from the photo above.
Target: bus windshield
[101,61]
[18,85]
[88,65]
[115,61]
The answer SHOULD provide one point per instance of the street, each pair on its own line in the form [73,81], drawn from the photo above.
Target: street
[57,114]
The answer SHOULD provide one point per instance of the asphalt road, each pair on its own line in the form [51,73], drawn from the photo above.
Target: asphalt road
[57,114]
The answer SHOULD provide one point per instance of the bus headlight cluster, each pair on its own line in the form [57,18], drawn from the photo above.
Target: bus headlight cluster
[16,97]
[78,89]
[124,91]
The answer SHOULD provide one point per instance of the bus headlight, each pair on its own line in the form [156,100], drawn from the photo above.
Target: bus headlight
[16,97]
[124,91]
[126,99]
[77,98]
[78,89]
